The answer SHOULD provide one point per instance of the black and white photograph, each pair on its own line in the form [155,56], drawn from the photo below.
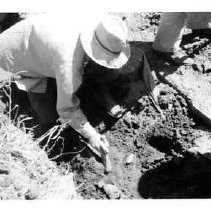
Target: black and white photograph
[106,106]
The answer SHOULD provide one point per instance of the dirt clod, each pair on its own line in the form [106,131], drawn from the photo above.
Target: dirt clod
[111,190]
[130,158]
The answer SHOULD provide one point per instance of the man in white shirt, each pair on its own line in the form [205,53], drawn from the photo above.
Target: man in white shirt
[40,47]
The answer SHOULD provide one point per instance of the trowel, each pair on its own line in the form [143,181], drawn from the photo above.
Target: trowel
[104,157]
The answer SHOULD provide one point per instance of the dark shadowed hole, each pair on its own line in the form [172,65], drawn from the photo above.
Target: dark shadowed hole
[163,93]
[164,144]
[190,179]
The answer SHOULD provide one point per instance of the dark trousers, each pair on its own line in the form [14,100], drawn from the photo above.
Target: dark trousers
[44,104]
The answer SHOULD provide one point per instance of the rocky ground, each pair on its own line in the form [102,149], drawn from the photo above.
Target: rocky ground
[26,172]
[152,155]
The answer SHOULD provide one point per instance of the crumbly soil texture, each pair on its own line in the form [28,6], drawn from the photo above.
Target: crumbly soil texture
[148,151]
[144,149]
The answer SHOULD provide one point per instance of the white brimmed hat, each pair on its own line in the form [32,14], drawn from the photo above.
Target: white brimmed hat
[105,41]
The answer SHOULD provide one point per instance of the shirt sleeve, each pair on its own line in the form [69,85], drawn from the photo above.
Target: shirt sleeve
[68,104]
[68,71]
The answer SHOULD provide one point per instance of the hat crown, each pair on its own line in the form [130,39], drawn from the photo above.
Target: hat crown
[111,33]
[105,41]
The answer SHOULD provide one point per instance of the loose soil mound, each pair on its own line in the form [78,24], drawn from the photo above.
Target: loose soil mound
[149,154]
[144,138]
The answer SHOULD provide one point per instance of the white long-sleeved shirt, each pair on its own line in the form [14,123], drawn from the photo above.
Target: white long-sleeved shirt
[41,47]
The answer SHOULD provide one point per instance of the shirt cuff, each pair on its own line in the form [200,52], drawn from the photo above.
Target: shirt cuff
[78,121]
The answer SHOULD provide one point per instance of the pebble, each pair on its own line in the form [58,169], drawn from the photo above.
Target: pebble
[203,147]
[127,122]
[170,106]
[137,143]
[143,170]
[184,132]
[178,135]
[130,158]
[5,181]
[127,119]
[31,194]
[111,190]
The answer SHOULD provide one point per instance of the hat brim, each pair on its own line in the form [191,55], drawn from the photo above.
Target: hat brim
[100,55]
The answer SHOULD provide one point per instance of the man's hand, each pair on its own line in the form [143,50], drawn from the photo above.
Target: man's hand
[99,144]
